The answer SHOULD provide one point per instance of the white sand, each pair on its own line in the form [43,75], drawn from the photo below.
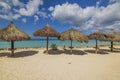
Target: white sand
[38,66]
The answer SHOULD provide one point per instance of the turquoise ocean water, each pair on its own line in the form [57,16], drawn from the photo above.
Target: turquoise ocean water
[42,43]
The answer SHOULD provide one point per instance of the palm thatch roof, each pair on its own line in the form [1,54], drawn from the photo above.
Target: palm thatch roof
[73,34]
[11,32]
[97,35]
[46,31]
[113,36]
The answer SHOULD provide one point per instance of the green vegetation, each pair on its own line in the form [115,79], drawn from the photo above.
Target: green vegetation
[53,46]
[64,47]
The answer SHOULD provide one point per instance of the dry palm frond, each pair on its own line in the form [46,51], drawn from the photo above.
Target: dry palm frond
[11,32]
[46,31]
[73,34]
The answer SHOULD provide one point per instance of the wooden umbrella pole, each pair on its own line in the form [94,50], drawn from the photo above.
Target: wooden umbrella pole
[12,47]
[111,45]
[96,46]
[47,46]
[71,46]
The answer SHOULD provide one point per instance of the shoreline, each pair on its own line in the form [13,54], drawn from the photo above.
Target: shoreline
[60,47]
[38,44]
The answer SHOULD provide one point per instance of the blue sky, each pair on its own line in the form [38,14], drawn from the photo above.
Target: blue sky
[83,15]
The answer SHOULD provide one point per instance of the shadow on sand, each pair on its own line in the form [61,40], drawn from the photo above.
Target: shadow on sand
[55,52]
[74,52]
[115,50]
[19,54]
[99,52]
[4,54]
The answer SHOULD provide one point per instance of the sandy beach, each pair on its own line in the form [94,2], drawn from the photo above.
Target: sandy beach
[59,39]
[83,64]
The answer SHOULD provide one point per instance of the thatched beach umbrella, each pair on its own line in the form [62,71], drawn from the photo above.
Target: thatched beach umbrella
[113,37]
[46,31]
[97,36]
[12,33]
[71,35]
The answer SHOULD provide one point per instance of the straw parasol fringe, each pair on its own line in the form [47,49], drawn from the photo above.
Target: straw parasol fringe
[47,32]
[71,35]
[12,33]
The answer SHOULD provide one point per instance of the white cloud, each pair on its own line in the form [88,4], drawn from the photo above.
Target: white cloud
[89,17]
[4,7]
[118,0]
[72,13]
[14,9]
[51,8]
[24,20]
[113,1]
[36,18]
[108,17]
[10,16]
[5,17]
[12,3]
[98,3]
[5,11]
[31,8]
[17,3]
[42,14]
